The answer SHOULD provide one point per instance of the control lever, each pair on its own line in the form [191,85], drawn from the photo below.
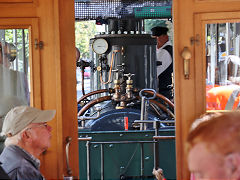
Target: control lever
[144,106]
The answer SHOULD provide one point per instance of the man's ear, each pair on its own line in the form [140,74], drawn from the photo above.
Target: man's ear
[232,165]
[25,135]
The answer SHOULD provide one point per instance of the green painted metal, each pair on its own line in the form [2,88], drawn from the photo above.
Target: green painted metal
[153,12]
[125,159]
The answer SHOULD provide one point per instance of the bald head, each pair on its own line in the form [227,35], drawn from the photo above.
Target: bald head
[77,54]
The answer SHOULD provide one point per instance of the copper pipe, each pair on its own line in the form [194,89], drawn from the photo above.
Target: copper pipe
[110,71]
[162,97]
[163,137]
[93,93]
[161,106]
[92,103]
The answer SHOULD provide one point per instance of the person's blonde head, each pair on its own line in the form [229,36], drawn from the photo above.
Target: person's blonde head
[219,131]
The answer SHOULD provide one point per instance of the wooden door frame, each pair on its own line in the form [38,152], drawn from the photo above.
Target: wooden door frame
[56,86]
[190,102]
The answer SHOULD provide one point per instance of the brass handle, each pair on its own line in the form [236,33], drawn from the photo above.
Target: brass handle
[186,55]
[68,141]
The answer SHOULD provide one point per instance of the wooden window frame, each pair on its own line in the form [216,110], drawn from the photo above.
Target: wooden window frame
[34,54]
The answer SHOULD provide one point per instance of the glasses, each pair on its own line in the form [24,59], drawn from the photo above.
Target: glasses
[39,125]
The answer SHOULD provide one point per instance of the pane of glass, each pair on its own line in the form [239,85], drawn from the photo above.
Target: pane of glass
[84,31]
[14,69]
[222,69]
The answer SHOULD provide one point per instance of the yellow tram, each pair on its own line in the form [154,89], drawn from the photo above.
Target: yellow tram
[48,29]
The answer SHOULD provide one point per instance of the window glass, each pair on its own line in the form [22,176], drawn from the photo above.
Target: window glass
[14,69]
[222,66]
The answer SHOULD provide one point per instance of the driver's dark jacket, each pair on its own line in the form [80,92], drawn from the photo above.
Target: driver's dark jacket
[19,164]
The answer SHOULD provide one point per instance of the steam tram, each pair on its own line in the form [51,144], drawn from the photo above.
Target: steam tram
[129,99]
[123,110]
[123,128]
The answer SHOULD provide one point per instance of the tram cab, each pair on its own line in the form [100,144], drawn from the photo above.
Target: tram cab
[123,127]
[124,106]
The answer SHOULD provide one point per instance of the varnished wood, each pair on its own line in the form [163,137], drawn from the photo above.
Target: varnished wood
[54,79]
[59,83]
[16,1]
[190,17]
[53,73]
[185,108]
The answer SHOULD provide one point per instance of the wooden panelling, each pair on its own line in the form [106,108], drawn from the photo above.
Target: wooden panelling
[54,76]
[18,10]
[216,1]
[55,81]
[213,6]
[16,1]
[220,17]
[185,107]
[58,79]
[190,17]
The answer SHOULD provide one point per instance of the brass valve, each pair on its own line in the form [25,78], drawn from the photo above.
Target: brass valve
[129,80]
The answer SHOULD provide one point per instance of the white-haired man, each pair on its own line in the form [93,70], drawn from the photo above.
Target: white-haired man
[27,136]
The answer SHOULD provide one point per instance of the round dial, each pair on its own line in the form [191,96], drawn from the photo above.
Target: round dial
[100,46]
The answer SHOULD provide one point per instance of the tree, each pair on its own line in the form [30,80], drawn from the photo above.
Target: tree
[84,31]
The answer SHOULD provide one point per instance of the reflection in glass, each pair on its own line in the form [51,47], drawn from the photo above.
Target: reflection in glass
[14,70]
[222,66]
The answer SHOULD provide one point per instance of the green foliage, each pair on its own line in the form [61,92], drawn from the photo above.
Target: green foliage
[150,23]
[84,31]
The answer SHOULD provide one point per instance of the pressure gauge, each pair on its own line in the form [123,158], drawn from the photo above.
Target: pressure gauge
[100,46]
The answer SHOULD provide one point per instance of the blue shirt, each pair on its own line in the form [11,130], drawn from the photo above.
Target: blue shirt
[19,164]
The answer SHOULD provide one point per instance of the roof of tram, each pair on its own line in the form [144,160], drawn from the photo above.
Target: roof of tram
[122,9]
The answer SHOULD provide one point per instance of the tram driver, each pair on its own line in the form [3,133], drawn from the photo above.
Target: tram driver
[27,136]
[164,61]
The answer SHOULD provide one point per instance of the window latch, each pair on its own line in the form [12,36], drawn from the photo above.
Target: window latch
[38,44]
